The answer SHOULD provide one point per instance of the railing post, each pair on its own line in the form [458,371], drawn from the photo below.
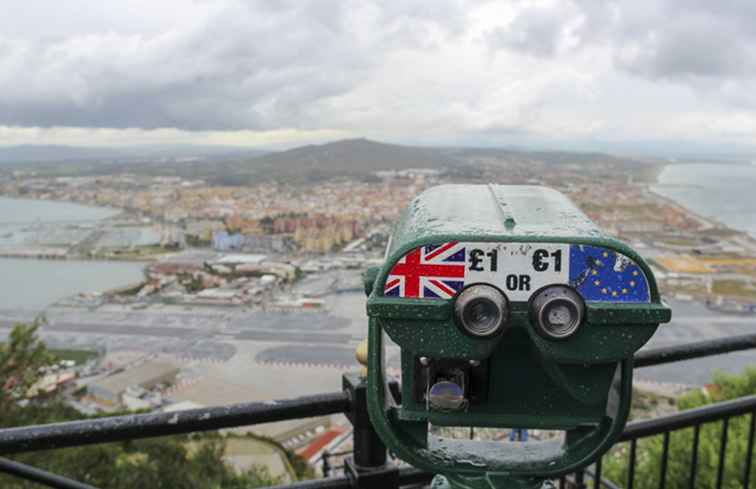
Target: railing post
[368,468]
[326,464]
[580,480]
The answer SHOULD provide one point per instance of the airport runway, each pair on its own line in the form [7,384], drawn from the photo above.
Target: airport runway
[327,338]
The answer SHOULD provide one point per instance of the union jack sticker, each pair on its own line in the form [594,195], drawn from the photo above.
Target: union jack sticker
[431,271]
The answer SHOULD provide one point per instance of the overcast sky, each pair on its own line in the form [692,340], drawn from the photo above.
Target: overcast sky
[274,72]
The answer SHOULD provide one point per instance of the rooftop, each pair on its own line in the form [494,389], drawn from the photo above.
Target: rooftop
[141,374]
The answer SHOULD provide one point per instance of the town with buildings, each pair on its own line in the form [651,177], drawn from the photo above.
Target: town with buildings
[284,225]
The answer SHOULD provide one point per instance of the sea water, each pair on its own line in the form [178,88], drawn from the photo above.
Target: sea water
[723,192]
[31,283]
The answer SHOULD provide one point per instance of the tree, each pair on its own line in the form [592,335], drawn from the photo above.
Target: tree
[21,357]
[649,450]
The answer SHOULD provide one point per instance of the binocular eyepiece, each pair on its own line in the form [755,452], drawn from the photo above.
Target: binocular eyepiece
[556,311]
[482,310]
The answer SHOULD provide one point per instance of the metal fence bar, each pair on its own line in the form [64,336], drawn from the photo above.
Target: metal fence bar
[367,467]
[76,433]
[722,453]
[689,351]
[599,483]
[408,476]
[631,464]
[689,418]
[29,473]
[664,460]
[329,483]
[694,457]
[749,453]
[580,480]
[597,474]
[326,467]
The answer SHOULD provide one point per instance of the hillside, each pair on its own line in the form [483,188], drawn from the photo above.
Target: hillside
[354,156]
[350,157]
[52,154]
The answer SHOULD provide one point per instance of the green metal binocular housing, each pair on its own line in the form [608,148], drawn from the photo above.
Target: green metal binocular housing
[511,309]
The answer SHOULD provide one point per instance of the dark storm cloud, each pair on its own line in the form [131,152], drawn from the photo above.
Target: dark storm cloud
[654,39]
[234,65]
[383,69]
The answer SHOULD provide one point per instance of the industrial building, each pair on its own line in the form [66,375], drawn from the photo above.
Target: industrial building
[110,389]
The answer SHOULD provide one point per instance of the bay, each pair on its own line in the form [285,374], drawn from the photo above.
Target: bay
[723,192]
[29,283]
[34,284]
[28,211]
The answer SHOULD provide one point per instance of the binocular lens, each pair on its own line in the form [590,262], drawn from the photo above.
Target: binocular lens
[558,312]
[446,395]
[481,310]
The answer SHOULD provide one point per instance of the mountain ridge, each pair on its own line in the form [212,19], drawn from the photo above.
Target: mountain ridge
[352,158]
[60,153]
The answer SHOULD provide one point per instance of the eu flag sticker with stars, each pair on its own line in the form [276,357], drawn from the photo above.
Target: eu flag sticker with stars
[600,274]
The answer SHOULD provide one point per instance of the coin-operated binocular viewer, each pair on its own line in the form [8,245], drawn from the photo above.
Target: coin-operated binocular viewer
[511,310]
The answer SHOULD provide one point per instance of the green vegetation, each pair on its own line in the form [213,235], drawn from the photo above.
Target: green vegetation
[649,450]
[719,233]
[197,242]
[282,461]
[128,291]
[734,288]
[192,283]
[302,471]
[680,241]
[649,404]
[140,252]
[78,356]
[166,462]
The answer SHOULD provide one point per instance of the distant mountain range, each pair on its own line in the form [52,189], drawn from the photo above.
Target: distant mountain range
[31,153]
[357,158]
[358,155]
[349,157]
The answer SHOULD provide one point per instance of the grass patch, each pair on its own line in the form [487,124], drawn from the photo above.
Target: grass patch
[79,356]
[680,242]
[254,450]
[734,288]
[140,252]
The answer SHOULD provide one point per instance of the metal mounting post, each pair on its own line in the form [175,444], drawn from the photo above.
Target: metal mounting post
[369,468]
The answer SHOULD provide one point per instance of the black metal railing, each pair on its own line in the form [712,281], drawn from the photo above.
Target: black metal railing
[368,467]
[722,412]
[135,426]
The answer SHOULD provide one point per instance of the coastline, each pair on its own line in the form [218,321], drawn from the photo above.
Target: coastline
[55,256]
[708,222]
[42,283]
[116,212]
[728,289]
[92,215]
